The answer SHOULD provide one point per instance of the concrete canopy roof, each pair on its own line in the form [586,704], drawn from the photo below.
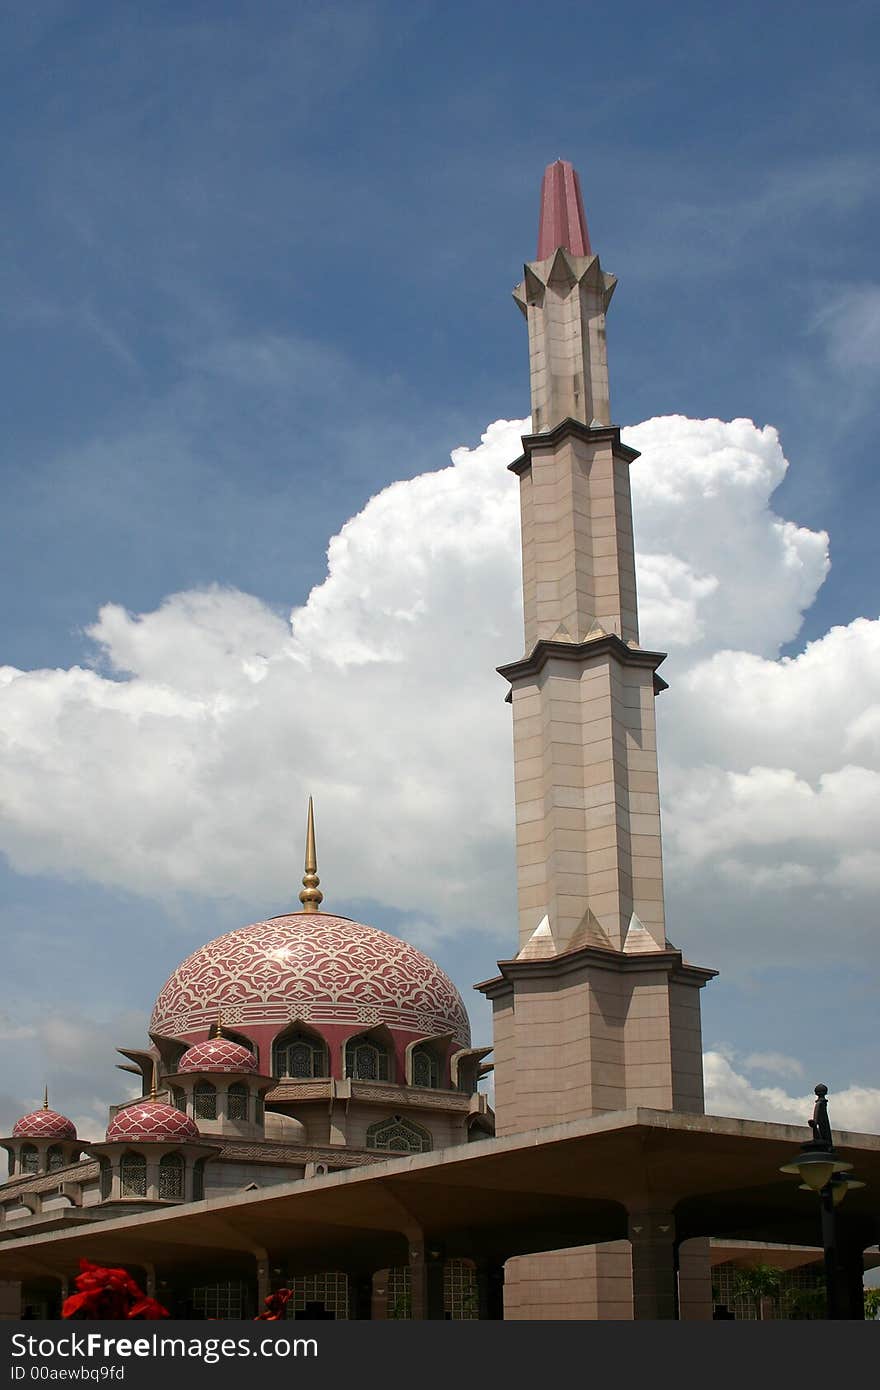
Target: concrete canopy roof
[546,1189]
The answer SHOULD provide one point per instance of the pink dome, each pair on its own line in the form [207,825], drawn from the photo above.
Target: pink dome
[217,1054]
[151,1120]
[44,1124]
[315,967]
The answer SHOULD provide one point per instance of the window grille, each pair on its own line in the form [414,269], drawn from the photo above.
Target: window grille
[29,1160]
[226,1300]
[204,1101]
[171,1169]
[133,1175]
[106,1180]
[460,1297]
[398,1299]
[330,1289]
[425,1068]
[178,1098]
[300,1057]
[366,1061]
[54,1159]
[237,1101]
[401,1136]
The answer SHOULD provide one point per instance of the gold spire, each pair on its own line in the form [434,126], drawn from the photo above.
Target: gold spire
[217,1030]
[154,1081]
[311,896]
[45,1097]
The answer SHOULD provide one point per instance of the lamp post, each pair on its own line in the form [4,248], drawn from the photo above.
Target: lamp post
[825,1172]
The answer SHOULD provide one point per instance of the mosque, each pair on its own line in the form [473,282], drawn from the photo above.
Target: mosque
[310,1112]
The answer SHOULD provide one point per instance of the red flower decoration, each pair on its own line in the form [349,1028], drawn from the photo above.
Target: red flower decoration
[104,1292]
[275,1306]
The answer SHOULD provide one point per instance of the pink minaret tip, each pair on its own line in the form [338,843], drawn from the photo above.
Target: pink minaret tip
[563,222]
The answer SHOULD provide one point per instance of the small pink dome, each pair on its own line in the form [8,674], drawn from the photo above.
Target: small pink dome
[44,1124]
[217,1054]
[151,1120]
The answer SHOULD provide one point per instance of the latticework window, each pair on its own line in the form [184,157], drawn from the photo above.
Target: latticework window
[170,1176]
[205,1101]
[199,1180]
[237,1101]
[227,1300]
[330,1290]
[178,1098]
[300,1057]
[399,1293]
[425,1068]
[54,1158]
[399,1135]
[133,1175]
[106,1180]
[366,1060]
[460,1297]
[28,1159]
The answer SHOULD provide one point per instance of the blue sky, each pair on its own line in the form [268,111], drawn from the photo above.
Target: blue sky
[256,266]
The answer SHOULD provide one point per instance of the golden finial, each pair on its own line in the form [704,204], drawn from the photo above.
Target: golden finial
[154,1081]
[217,1030]
[45,1097]
[311,896]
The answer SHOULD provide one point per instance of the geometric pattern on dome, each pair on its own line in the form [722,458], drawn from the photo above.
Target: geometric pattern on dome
[44,1124]
[217,1054]
[311,966]
[151,1120]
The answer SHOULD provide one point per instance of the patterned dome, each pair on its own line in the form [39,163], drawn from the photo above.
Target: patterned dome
[44,1124]
[315,967]
[151,1120]
[217,1054]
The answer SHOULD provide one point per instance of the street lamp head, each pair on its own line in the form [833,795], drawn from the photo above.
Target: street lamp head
[815,1166]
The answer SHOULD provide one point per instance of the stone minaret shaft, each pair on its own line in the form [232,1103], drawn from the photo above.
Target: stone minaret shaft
[587,800]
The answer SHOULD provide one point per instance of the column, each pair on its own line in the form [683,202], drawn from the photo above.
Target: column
[654,1273]
[490,1289]
[360,1295]
[426,1281]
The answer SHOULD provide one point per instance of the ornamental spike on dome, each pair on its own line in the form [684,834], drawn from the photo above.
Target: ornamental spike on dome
[154,1081]
[311,896]
[45,1097]
[217,1030]
[563,221]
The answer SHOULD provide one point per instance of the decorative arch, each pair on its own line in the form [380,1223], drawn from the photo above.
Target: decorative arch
[299,1052]
[237,1101]
[398,1135]
[425,1060]
[133,1174]
[54,1158]
[369,1056]
[204,1101]
[106,1179]
[171,1171]
[178,1099]
[28,1159]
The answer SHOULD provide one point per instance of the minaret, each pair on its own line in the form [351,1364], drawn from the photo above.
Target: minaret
[598,1011]
[589,862]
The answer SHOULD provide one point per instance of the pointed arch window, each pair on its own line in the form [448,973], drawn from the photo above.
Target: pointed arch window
[178,1098]
[399,1135]
[366,1060]
[300,1056]
[133,1175]
[29,1159]
[199,1180]
[106,1180]
[425,1068]
[170,1176]
[237,1101]
[204,1101]
[54,1158]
